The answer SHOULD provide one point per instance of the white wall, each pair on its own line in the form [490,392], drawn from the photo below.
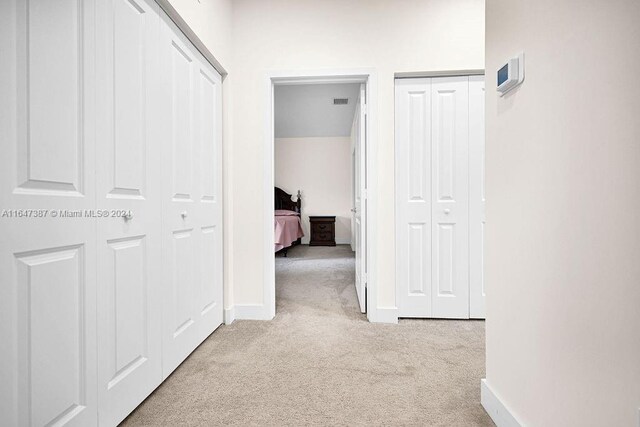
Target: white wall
[321,169]
[389,36]
[563,203]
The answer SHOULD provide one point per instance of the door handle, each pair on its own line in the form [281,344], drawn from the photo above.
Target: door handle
[184,214]
[447,211]
[128,216]
[354,210]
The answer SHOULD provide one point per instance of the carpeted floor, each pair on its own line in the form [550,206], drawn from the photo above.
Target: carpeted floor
[319,362]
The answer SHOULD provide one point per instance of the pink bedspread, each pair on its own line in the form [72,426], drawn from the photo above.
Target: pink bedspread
[288,229]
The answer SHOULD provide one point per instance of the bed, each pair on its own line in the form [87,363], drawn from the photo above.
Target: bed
[286,221]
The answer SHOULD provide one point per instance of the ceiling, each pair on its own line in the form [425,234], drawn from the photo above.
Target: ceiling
[307,110]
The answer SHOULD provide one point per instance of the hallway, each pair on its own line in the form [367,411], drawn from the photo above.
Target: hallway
[319,362]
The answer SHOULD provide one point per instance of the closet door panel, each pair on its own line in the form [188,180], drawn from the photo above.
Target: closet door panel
[51,74]
[476,197]
[128,190]
[209,203]
[183,284]
[179,239]
[47,249]
[413,196]
[450,194]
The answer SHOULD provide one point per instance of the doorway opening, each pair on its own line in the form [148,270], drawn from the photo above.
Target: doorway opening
[320,135]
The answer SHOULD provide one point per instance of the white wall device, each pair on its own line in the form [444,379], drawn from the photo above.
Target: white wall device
[511,74]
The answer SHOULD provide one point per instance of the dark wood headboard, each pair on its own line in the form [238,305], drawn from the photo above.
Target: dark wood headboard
[283,200]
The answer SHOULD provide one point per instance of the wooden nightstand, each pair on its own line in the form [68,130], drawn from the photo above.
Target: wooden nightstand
[323,230]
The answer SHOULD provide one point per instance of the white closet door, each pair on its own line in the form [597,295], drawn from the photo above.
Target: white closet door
[476,198]
[128,181]
[192,252]
[413,196]
[450,197]
[47,264]
[432,197]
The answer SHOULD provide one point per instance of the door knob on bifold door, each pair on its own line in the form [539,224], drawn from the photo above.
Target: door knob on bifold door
[184,214]
[354,210]
[447,211]
[128,216]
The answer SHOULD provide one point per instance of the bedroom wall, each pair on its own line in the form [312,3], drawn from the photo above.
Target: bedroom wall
[563,196]
[320,168]
[389,36]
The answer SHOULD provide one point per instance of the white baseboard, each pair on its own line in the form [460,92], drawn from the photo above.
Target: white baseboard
[498,412]
[384,315]
[252,312]
[229,315]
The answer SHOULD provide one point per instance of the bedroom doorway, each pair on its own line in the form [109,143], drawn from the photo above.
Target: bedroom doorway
[324,223]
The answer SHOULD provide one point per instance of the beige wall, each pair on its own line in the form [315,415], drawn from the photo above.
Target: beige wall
[389,36]
[321,169]
[563,203]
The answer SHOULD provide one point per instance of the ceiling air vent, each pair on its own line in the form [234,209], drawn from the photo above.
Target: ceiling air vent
[340,101]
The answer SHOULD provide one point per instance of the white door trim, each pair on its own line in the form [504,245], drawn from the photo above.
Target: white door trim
[290,77]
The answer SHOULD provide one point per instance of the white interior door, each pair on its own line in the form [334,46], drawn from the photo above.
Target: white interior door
[360,208]
[47,244]
[432,197]
[128,187]
[192,237]
[476,198]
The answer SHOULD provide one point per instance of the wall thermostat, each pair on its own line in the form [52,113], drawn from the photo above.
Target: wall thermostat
[511,74]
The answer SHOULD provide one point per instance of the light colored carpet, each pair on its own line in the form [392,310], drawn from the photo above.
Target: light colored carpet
[319,362]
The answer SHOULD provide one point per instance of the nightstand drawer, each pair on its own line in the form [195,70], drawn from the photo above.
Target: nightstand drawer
[322,227]
[323,236]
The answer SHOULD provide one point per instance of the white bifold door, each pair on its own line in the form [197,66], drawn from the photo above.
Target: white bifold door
[110,207]
[191,196]
[440,196]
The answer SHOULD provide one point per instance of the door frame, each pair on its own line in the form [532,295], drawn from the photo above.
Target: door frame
[367,76]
